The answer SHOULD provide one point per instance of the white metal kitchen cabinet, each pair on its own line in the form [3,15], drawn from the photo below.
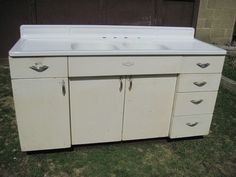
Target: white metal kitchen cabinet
[42,109]
[148,106]
[96,109]
[103,108]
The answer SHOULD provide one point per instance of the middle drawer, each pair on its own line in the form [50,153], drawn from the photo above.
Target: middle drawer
[194,103]
[125,65]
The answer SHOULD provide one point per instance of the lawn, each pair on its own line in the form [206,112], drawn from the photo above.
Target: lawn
[230,67]
[213,155]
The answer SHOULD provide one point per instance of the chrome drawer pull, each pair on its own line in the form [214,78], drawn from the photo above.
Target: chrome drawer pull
[39,67]
[203,65]
[63,88]
[128,64]
[192,124]
[121,84]
[130,83]
[200,84]
[196,101]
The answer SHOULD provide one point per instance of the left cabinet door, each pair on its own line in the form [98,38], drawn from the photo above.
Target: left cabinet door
[96,109]
[42,112]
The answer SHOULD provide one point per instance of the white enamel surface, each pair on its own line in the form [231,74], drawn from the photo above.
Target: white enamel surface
[96,110]
[192,82]
[69,40]
[105,66]
[148,106]
[57,67]
[42,113]
[184,105]
[180,127]
[190,64]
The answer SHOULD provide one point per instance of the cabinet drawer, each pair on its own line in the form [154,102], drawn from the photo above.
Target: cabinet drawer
[185,126]
[38,67]
[195,103]
[101,66]
[198,82]
[202,64]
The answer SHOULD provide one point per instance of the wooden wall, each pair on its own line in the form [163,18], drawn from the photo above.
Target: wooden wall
[14,13]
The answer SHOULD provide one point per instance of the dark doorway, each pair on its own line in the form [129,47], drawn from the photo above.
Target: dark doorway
[14,13]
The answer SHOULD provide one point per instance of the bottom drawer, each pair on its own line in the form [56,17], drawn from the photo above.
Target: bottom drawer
[194,125]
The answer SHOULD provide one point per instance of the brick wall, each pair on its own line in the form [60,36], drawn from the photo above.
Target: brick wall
[216,19]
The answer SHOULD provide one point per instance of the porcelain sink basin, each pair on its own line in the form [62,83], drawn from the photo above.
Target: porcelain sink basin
[142,46]
[122,46]
[89,46]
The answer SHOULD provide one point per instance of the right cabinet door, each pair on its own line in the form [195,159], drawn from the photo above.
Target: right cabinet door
[148,107]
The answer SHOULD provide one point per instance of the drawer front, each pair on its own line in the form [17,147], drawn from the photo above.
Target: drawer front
[202,64]
[198,82]
[101,66]
[186,126]
[38,67]
[195,103]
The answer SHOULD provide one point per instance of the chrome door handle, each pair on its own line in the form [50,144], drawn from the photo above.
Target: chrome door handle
[63,88]
[192,124]
[196,101]
[200,84]
[39,67]
[130,83]
[121,84]
[203,65]
[128,63]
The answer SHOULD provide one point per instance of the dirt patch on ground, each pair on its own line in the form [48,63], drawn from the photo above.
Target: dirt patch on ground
[5,174]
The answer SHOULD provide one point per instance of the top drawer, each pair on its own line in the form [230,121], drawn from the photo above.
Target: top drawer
[101,66]
[38,67]
[202,64]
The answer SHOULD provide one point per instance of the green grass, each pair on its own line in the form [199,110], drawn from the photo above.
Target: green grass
[211,156]
[230,67]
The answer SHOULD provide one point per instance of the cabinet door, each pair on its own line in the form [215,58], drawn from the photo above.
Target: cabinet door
[96,109]
[42,112]
[148,107]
